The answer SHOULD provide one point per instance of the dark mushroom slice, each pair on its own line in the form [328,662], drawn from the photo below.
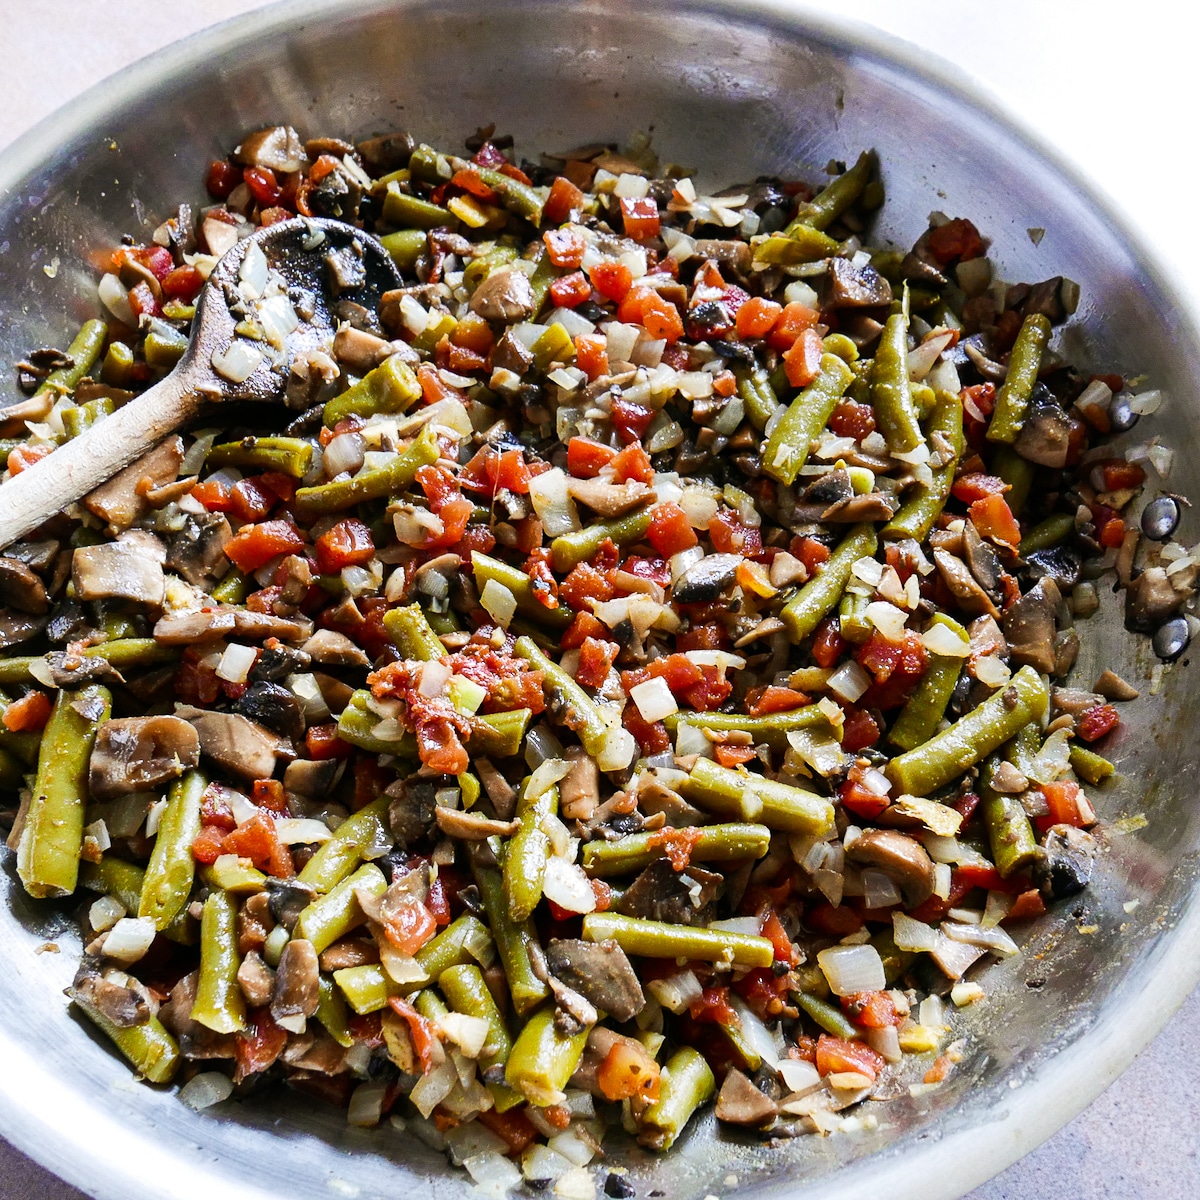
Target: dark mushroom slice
[195,1040]
[137,754]
[287,899]
[387,153]
[873,506]
[273,707]
[609,499]
[16,627]
[901,858]
[706,579]
[297,986]
[277,147]
[121,501]
[312,779]
[1050,436]
[117,571]
[579,789]
[21,589]
[660,893]
[848,286]
[197,552]
[600,972]
[237,744]
[958,578]
[276,662]
[739,1102]
[727,252]
[71,670]
[123,1006]
[1030,626]
[1073,701]
[1151,598]
[1065,865]
[506,296]
[1063,564]
[256,980]
[332,649]
[982,559]
[410,810]
[511,354]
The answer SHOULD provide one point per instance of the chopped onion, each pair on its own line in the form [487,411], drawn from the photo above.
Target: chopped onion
[849,681]
[306,689]
[955,958]
[469,1034]
[547,773]
[888,619]
[278,318]
[690,739]
[994,939]
[676,992]
[115,297]
[1145,403]
[473,1138]
[922,357]
[206,1089]
[942,640]
[573,1146]
[879,891]
[850,969]
[568,887]
[653,699]
[618,751]
[798,1075]
[499,603]
[343,455]
[236,662]
[541,744]
[748,925]
[433,678]
[554,507]
[105,913]
[700,506]
[301,831]
[431,1089]
[767,1043]
[494,1174]
[869,570]
[799,292]
[911,934]
[992,670]
[254,272]
[366,1105]
[540,1163]
[886,1043]
[680,563]
[621,340]
[237,362]
[932,1013]
[129,939]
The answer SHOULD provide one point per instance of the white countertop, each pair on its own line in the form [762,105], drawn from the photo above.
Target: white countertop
[1111,85]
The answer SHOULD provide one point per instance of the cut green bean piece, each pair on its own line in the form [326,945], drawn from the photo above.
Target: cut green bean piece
[543,1058]
[334,914]
[366,830]
[1019,473]
[513,941]
[366,988]
[52,836]
[527,853]
[1088,765]
[167,884]
[570,549]
[84,353]
[409,630]
[1010,834]
[657,939]
[152,1051]
[891,396]
[787,448]
[464,940]
[754,387]
[772,728]
[409,212]
[467,993]
[711,843]
[686,1083]
[924,709]
[749,797]
[219,1005]
[485,567]
[972,737]
[391,387]
[828,204]
[800,244]
[573,707]
[373,484]
[916,516]
[828,1016]
[516,196]
[1012,401]
[820,595]
[83,416]
[287,455]
[233,589]
[1051,532]
[331,1012]
[405,246]
[124,654]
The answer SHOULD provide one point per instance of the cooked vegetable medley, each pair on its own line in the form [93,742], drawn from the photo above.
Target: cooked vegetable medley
[637,675]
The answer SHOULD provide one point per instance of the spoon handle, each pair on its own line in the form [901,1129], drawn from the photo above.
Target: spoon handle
[74,469]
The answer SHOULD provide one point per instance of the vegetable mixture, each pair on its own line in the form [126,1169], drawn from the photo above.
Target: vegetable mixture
[635,677]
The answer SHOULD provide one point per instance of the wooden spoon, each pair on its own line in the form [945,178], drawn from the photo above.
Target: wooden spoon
[319,261]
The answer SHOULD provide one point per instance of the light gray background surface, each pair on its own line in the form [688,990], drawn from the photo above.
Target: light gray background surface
[1114,88]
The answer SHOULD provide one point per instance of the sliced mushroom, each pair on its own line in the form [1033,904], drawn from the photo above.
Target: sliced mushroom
[600,972]
[1074,701]
[332,649]
[359,350]
[256,980]
[660,893]
[21,589]
[410,811]
[873,506]
[311,778]
[278,148]
[297,986]
[16,628]
[37,556]
[706,579]
[848,286]
[958,578]
[1150,599]
[739,1102]
[135,754]
[276,662]
[197,552]
[499,791]
[471,826]
[511,354]
[239,745]
[609,499]
[1029,626]
[1065,865]
[287,899]
[901,858]
[254,922]
[117,571]
[1063,564]
[274,707]
[1112,687]
[123,1006]
[121,501]
[1047,433]
[579,790]
[505,295]
[982,559]
[729,252]
[387,153]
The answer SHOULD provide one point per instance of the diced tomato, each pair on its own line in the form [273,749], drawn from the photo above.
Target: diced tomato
[630,420]
[584,626]
[182,284]
[222,178]
[571,290]
[322,741]
[29,714]
[977,486]
[828,643]
[591,355]
[835,1055]
[994,520]
[214,494]
[262,184]
[802,360]
[596,657]
[1062,797]
[22,457]
[612,280]
[1095,722]
[792,322]
[773,929]
[564,202]
[565,247]
[835,922]
[254,545]
[1116,473]
[756,318]
[215,809]
[512,1125]
[269,794]
[966,805]
[861,801]
[1026,906]
[472,183]
[250,502]
[732,756]
[646,307]
[640,215]
[851,419]
[772,699]
[872,1010]
[859,731]
[633,463]
[651,736]
[206,845]
[725,384]
[730,536]
[627,1071]
[143,301]
[811,553]
[957,239]
[586,458]
[670,530]
[713,1008]
[420,1031]
[887,660]
[409,926]
[584,583]
[978,401]
[256,840]
[260,1046]
[710,693]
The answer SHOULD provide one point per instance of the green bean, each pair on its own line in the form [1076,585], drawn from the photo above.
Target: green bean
[891,397]
[233,875]
[334,914]
[163,346]
[409,630]
[331,1012]
[233,589]
[485,567]
[800,244]
[570,549]
[83,352]
[749,797]
[459,943]
[52,836]
[554,344]
[366,988]
[526,855]
[150,1049]
[754,387]
[391,387]
[853,623]
[374,484]
[467,993]
[516,196]
[918,719]
[805,610]
[771,729]
[828,204]
[287,455]
[429,165]
[83,416]
[405,246]
[430,1005]
[1088,765]
[513,940]
[543,1058]
[499,735]
[167,884]
[788,445]
[1014,847]
[1019,473]
[487,257]
[571,704]
[916,516]
[23,746]
[367,829]
[1053,531]
[1012,401]
[712,843]
[409,212]
[117,368]
[828,1016]
[124,654]
[116,878]
[544,274]
[657,939]
[972,737]
[685,1084]
[12,770]
[219,1003]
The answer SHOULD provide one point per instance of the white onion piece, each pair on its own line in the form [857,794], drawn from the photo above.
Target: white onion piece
[994,939]
[573,1147]
[568,887]
[115,297]
[653,699]
[699,505]
[621,340]
[850,969]
[991,670]
[685,559]
[434,677]
[545,776]
[955,958]
[798,1075]
[849,681]
[879,890]
[676,992]
[254,272]
[748,925]
[888,619]
[494,1175]
[236,662]
[767,1043]
[1145,403]
[301,831]
[306,689]
[869,570]
[886,1043]
[469,1034]
[129,939]
[105,913]
[618,750]
[499,603]
[539,1163]
[206,1089]
[366,1105]
[237,362]
[690,739]
[571,321]
[911,934]
[554,507]
[433,1088]
[468,1140]
[343,455]
[278,318]
[942,640]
